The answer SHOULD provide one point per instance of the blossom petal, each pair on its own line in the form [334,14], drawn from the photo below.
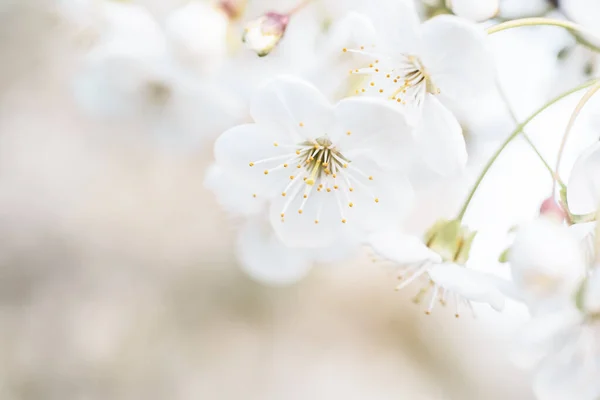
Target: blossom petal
[299,229]
[233,192]
[375,129]
[293,106]
[397,23]
[475,10]
[439,138]
[457,58]
[402,248]
[583,191]
[385,201]
[242,145]
[266,259]
[546,261]
[472,285]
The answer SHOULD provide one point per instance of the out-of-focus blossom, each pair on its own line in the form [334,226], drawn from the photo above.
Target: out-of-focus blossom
[547,263]
[264,33]
[329,172]
[586,13]
[441,260]
[583,190]
[475,10]
[428,69]
[133,73]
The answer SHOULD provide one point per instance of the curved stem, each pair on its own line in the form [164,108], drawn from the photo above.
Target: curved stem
[586,97]
[525,136]
[514,134]
[540,21]
[298,7]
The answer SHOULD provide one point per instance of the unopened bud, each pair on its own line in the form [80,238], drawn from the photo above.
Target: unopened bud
[550,208]
[263,33]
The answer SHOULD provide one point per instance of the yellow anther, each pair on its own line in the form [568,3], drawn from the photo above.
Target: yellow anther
[291,177]
[316,221]
[376,61]
[254,195]
[351,189]
[345,165]
[344,49]
[348,133]
[334,175]
[376,69]
[380,90]
[328,190]
[370,178]
[297,152]
[305,196]
[300,211]
[266,172]
[283,194]
[336,187]
[376,200]
[275,144]
[343,221]
[370,65]
[282,215]
[251,164]
[372,83]
[301,124]
[362,47]
[388,76]
[362,90]
[351,204]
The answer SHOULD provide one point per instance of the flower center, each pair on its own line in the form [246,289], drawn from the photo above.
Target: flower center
[157,92]
[317,166]
[403,79]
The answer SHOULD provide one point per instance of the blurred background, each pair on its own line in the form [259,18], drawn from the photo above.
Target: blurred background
[118,274]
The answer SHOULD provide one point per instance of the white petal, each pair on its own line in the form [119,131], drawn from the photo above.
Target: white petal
[293,106]
[375,129]
[300,230]
[584,12]
[583,191]
[131,23]
[236,148]
[402,248]
[351,31]
[387,201]
[475,10]
[397,24]
[471,285]
[536,340]
[546,261]
[198,32]
[591,300]
[456,55]
[440,140]
[266,259]
[233,193]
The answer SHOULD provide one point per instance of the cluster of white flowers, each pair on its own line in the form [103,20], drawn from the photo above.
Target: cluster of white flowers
[321,134]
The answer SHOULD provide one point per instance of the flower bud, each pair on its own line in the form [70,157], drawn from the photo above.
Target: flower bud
[475,10]
[263,33]
[450,240]
[550,208]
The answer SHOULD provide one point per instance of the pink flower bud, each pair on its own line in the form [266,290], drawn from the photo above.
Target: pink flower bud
[551,208]
[263,34]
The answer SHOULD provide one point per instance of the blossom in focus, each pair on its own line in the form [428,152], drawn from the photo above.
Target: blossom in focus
[328,172]
[440,259]
[475,10]
[547,263]
[429,69]
[262,34]
[133,74]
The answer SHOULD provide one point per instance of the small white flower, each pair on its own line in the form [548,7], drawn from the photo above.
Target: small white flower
[475,10]
[563,346]
[328,172]
[583,190]
[132,74]
[447,279]
[430,69]
[547,262]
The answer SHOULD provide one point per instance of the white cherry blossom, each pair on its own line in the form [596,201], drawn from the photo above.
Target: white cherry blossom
[442,276]
[133,75]
[327,171]
[547,262]
[430,69]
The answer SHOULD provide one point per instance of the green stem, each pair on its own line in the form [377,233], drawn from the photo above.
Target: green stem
[525,136]
[513,135]
[539,21]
